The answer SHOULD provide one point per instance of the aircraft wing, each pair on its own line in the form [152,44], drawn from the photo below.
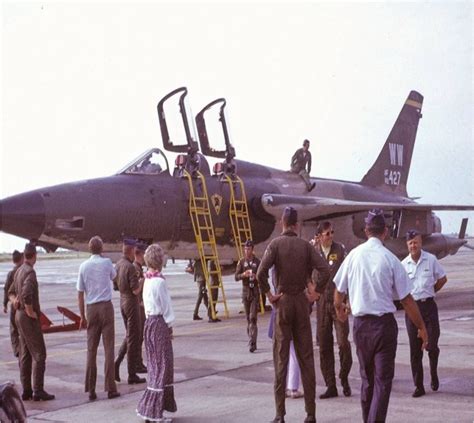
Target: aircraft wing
[326,208]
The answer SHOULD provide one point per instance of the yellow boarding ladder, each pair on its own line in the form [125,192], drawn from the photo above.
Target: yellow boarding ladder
[240,218]
[203,227]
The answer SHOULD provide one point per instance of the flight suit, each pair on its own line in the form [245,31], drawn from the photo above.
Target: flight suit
[294,260]
[327,318]
[202,289]
[141,309]
[301,164]
[32,346]
[14,336]
[127,281]
[250,295]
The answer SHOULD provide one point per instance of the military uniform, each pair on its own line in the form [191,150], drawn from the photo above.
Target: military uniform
[14,336]
[301,164]
[127,282]
[294,260]
[250,296]
[327,318]
[141,309]
[32,346]
[202,289]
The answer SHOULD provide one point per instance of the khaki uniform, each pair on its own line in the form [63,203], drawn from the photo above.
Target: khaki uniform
[141,309]
[32,346]
[327,318]
[202,289]
[127,281]
[294,260]
[14,335]
[250,295]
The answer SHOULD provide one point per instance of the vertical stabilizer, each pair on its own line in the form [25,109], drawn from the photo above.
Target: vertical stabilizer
[390,170]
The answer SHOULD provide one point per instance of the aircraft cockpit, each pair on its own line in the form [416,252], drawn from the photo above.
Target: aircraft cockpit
[152,162]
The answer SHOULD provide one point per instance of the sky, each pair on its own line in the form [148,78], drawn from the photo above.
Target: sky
[80,84]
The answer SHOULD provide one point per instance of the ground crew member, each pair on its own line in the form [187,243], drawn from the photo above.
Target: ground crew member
[301,164]
[199,278]
[426,278]
[24,294]
[214,277]
[139,262]
[129,286]
[95,284]
[373,278]
[17,258]
[294,260]
[245,271]
[334,254]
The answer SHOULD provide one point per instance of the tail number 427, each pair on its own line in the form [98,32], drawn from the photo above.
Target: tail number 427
[392,177]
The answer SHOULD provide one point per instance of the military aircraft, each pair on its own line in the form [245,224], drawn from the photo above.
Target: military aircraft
[149,200]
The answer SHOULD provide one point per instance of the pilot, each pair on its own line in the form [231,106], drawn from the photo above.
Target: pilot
[139,262]
[245,271]
[17,258]
[229,165]
[294,260]
[24,294]
[301,164]
[214,279]
[427,277]
[193,160]
[94,286]
[199,278]
[129,286]
[373,277]
[334,254]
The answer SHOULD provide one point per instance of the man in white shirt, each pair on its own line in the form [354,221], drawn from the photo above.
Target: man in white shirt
[373,278]
[95,284]
[426,278]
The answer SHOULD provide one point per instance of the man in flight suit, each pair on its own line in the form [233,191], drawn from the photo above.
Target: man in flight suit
[139,262]
[301,164]
[129,286]
[24,294]
[245,271]
[427,277]
[294,260]
[334,254]
[17,258]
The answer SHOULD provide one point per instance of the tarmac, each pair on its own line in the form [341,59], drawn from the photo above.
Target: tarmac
[218,380]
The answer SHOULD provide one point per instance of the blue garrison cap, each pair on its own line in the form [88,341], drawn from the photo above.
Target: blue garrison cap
[130,242]
[412,233]
[375,218]
[290,216]
[141,246]
[248,243]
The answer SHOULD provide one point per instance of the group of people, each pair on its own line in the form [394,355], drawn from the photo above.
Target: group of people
[364,283]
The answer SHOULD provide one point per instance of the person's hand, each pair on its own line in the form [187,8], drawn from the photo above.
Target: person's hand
[34,315]
[313,296]
[16,304]
[423,335]
[342,311]
[83,323]
[248,273]
[274,298]
[5,309]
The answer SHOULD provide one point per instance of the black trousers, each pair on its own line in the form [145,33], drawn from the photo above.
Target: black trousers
[429,313]
[376,341]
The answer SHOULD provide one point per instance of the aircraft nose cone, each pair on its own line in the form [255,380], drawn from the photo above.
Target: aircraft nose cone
[23,215]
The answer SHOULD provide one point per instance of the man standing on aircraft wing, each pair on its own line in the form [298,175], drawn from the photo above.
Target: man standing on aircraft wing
[426,278]
[373,278]
[301,164]
[294,260]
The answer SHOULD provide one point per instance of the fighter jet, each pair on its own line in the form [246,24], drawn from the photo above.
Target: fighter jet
[149,199]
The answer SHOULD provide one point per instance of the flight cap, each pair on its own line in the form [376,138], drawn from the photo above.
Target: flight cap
[131,242]
[290,216]
[141,246]
[375,218]
[412,233]
[249,243]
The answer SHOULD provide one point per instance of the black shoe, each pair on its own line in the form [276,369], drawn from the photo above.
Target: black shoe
[278,419]
[311,187]
[117,371]
[42,396]
[253,348]
[27,395]
[92,396]
[310,419]
[211,320]
[434,382]
[142,369]
[346,389]
[135,379]
[419,392]
[331,392]
[196,317]
[113,394]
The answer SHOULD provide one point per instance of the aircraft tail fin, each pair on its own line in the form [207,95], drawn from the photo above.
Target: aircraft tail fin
[390,170]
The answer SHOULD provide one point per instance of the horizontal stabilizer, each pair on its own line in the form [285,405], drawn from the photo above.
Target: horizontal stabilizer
[324,208]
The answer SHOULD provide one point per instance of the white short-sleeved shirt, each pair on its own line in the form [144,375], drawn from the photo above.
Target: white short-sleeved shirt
[423,275]
[157,300]
[373,277]
[95,279]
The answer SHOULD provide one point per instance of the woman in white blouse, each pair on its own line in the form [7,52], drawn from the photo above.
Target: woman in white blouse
[158,333]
